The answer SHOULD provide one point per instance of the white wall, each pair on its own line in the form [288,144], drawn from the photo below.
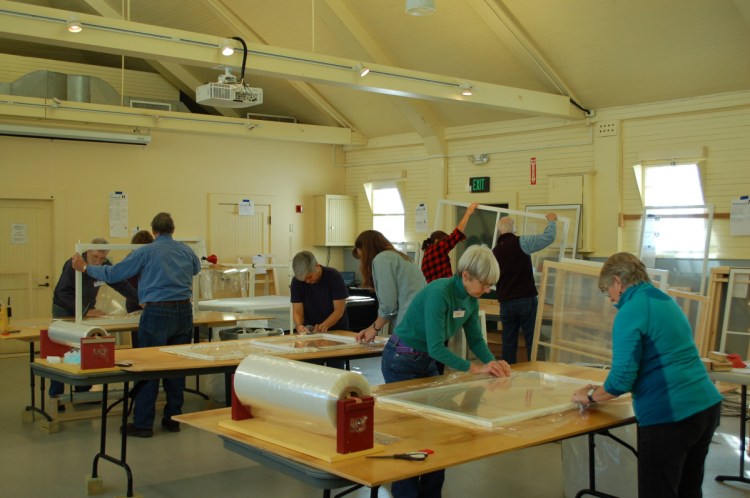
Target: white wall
[720,123]
[174,173]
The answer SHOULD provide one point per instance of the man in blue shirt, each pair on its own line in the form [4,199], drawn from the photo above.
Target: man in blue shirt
[166,269]
[516,289]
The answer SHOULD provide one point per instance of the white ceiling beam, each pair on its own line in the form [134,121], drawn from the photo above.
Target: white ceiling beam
[44,25]
[505,26]
[349,30]
[175,74]
[244,31]
[18,109]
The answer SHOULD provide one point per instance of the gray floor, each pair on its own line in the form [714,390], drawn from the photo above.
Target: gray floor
[193,463]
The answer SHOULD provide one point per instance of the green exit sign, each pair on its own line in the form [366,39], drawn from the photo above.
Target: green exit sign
[480,184]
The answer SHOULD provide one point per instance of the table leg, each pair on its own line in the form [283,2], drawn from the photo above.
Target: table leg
[197,390]
[121,462]
[743,433]
[32,383]
[591,491]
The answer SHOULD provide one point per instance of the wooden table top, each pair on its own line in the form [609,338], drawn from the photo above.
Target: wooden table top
[29,328]
[452,443]
[143,360]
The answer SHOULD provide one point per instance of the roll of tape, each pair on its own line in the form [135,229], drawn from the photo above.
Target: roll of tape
[70,334]
[293,389]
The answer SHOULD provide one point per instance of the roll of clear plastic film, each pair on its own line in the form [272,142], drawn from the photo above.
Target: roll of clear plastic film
[70,334]
[295,390]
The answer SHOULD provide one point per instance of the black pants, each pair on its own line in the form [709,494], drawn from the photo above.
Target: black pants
[671,457]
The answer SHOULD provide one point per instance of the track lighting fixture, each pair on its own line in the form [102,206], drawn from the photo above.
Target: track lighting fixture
[362,70]
[226,48]
[74,25]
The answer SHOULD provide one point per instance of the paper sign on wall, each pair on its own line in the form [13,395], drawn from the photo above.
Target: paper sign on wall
[118,214]
[259,259]
[739,216]
[421,219]
[247,207]
[19,233]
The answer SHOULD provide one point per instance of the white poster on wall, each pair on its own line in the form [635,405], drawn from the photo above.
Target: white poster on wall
[19,233]
[246,207]
[421,219]
[739,216]
[118,214]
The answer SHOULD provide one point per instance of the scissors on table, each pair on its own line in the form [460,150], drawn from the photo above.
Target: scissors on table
[414,456]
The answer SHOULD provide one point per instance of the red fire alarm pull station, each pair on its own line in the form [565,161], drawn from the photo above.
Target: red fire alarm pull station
[298,208]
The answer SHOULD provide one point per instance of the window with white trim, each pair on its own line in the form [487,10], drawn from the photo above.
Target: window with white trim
[674,184]
[388,213]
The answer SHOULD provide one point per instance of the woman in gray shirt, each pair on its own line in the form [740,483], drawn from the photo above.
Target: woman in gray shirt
[395,278]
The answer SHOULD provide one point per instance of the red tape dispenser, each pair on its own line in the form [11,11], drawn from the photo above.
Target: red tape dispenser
[354,424]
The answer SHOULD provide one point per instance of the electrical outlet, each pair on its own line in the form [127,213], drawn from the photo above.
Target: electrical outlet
[606,129]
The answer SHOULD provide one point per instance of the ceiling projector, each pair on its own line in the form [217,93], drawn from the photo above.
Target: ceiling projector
[227,92]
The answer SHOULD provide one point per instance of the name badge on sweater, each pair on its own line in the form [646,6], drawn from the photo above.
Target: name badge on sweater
[459,313]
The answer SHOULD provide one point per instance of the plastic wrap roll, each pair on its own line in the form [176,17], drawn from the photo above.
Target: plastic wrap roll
[70,334]
[294,389]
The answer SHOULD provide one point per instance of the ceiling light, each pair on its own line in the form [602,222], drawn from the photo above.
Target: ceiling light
[74,25]
[226,48]
[420,7]
[466,90]
[362,70]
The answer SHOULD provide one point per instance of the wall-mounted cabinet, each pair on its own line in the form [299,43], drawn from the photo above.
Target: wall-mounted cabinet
[335,220]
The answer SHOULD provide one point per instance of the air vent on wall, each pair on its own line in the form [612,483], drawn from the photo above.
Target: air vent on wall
[271,117]
[148,104]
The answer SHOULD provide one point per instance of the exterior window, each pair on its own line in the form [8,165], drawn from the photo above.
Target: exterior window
[388,213]
[681,231]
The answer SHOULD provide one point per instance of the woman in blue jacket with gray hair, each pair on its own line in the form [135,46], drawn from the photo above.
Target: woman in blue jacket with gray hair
[654,358]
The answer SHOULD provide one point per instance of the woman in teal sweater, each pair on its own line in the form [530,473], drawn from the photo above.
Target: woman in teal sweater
[436,313]
[655,359]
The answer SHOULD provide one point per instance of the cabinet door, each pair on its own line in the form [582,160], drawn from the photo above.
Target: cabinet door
[340,215]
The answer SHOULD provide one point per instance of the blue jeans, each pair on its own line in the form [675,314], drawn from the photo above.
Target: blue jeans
[515,315]
[57,388]
[671,457]
[407,366]
[162,326]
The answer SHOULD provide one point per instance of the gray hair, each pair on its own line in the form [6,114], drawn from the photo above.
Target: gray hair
[506,225]
[100,240]
[480,263]
[303,264]
[627,267]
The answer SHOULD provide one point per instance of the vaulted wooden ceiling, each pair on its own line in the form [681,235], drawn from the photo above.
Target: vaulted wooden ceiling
[597,53]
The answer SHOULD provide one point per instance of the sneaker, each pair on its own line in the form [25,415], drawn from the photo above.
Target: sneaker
[170,425]
[134,431]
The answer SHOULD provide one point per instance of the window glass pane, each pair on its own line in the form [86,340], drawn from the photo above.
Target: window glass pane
[387,201]
[392,227]
[673,185]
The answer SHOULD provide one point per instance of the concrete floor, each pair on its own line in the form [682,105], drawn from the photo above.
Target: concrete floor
[193,463]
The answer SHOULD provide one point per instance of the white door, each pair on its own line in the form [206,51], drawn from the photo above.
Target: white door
[26,273]
[234,237]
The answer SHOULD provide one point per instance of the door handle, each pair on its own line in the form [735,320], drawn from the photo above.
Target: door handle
[46,284]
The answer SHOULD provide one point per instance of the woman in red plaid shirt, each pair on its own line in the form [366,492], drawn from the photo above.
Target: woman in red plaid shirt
[436,262]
